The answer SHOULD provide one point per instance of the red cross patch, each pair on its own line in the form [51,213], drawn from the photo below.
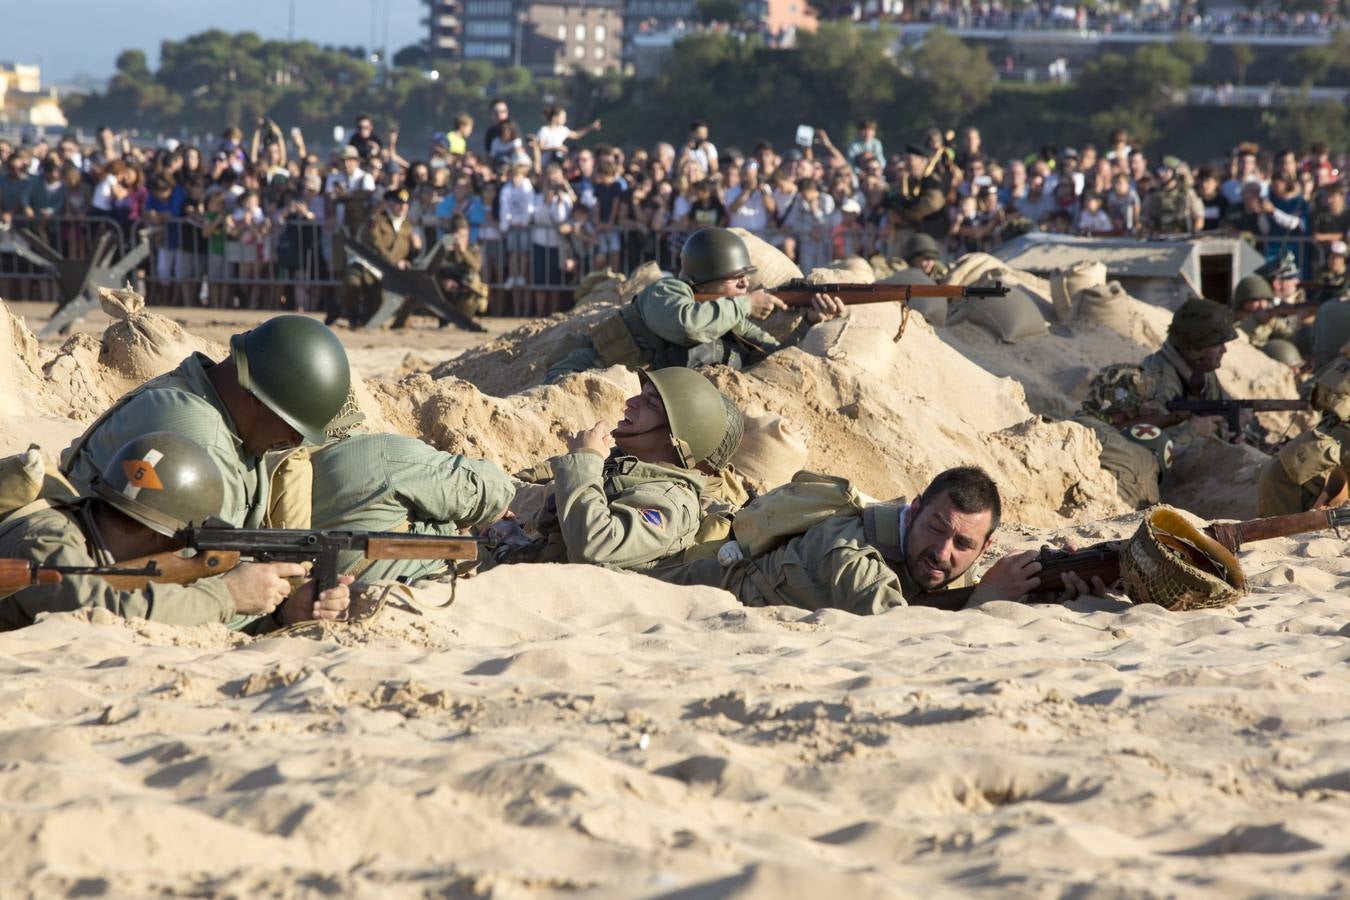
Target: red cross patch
[1145,432]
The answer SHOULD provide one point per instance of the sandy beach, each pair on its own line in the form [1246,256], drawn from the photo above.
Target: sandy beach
[573,731]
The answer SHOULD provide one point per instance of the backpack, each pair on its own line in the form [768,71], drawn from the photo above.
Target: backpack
[788,510]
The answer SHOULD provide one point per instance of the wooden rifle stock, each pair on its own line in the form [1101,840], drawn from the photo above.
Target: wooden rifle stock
[1103,560]
[420,548]
[17,574]
[798,293]
[174,569]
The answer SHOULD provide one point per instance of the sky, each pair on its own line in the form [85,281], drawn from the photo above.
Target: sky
[83,37]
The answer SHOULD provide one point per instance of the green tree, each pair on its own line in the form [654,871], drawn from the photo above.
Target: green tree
[955,78]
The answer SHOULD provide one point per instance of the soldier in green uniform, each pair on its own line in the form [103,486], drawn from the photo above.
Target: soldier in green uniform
[281,384]
[1277,336]
[869,562]
[1172,207]
[390,234]
[703,317]
[917,202]
[461,271]
[389,482]
[151,488]
[922,253]
[1296,478]
[641,504]
[1136,454]
[1184,369]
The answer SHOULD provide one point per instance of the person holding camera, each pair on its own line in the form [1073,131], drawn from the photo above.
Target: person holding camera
[699,149]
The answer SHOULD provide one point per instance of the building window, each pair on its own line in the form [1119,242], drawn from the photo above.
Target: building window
[562,32]
[599,52]
[579,51]
[488,8]
[599,34]
[488,29]
[581,32]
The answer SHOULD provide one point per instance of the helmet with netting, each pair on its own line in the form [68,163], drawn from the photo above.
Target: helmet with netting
[1119,388]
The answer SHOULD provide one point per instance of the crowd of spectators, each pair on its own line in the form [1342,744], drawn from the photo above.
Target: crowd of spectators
[257,221]
[1272,19]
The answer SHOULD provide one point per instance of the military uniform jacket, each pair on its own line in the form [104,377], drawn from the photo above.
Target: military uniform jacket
[56,536]
[182,401]
[394,244]
[1171,210]
[1136,456]
[1172,375]
[837,564]
[1277,327]
[664,322]
[387,482]
[619,512]
[920,203]
[466,267]
[1291,481]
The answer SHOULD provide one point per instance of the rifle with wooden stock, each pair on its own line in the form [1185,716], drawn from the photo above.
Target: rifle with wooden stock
[220,547]
[1103,560]
[798,292]
[17,574]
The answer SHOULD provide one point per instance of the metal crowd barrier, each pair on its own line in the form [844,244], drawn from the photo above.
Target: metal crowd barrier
[299,264]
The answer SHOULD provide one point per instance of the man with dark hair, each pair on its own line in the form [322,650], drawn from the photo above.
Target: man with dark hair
[364,138]
[870,561]
[500,113]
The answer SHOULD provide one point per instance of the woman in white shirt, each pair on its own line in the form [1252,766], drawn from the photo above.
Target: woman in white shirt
[751,207]
[555,133]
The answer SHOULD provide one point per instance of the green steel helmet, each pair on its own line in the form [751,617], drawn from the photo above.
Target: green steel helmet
[1201,323]
[1331,390]
[1283,351]
[712,254]
[298,368]
[1119,388]
[705,426]
[164,481]
[1253,287]
[920,246]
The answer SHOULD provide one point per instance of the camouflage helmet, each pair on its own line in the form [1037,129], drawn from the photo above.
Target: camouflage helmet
[1201,323]
[1284,267]
[921,246]
[712,254]
[298,368]
[1283,351]
[705,426]
[164,481]
[1331,390]
[1119,388]
[1253,287]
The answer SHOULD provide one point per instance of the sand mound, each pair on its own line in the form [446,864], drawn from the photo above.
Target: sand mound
[518,359]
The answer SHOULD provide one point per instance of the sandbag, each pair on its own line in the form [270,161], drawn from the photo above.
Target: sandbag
[139,344]
[1106,305]
[1065,285]
[841,273]
[1013,318]
[772,265]
[599,287]
[771,450]
[641,278]
[969,268]
[28,476]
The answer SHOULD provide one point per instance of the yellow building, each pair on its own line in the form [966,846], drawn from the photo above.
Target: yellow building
[22,100]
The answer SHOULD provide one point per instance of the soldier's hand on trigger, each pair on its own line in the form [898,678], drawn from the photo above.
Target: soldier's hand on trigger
[825,307]
[596,439]
[1075,586]
[762,304]
[259,588]
[1013,576]
[332,604]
